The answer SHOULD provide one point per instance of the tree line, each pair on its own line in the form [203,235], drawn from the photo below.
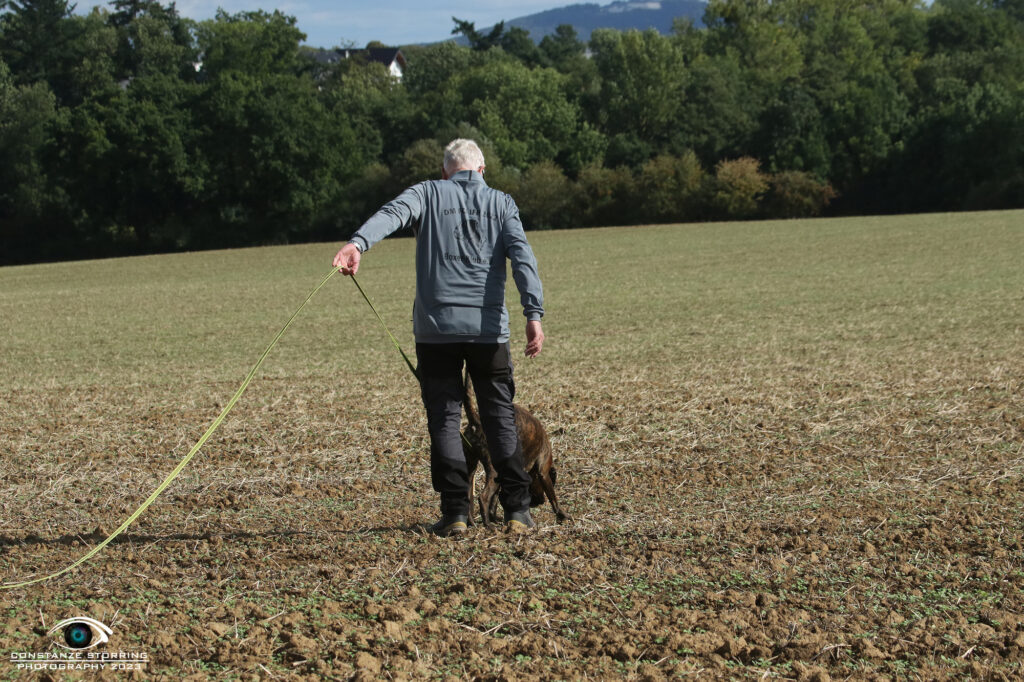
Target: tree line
[131,129]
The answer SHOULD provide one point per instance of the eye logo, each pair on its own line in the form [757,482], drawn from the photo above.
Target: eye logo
[81,633]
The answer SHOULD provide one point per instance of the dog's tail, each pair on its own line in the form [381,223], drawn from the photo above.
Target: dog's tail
[467,402]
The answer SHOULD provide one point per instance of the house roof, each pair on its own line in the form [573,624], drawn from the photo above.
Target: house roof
[383,55]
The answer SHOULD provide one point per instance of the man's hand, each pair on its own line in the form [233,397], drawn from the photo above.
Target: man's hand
[534,338]
[348,259]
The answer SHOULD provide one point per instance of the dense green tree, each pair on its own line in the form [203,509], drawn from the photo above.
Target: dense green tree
[792,133]
[27,113]
[131,129]
[74,54]
[967,26]
[518,43]
[718,117]
[967,151]
[376,105]
[567,54]
[278,155]
[432,66]
[606,196]
[89,59]
[853,72]
[563,46]
[767,47]
[479,41]
[359,198]
[588,146]
[145,179]
[257,43]
[34,36]
[524,112]
[276,152]
[544,197]
[152,39]
[1013,9]
[429,82]
[642,84]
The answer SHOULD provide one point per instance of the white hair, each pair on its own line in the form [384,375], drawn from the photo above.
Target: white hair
[462,154]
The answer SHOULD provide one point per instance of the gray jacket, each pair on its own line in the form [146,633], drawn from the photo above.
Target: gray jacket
[464,232]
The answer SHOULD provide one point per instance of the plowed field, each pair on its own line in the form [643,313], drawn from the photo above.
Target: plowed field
[790,450]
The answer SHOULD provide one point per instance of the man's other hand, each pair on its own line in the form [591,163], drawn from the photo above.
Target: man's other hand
[534,338]
[348,259]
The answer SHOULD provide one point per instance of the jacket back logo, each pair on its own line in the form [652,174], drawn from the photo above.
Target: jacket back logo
[470,233]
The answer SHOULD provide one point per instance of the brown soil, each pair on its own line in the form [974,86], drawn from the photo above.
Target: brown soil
[858,530]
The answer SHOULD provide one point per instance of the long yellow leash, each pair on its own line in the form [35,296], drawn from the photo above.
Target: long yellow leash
[408,363]
[192,453]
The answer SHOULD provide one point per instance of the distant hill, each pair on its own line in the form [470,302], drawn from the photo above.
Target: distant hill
[621,15]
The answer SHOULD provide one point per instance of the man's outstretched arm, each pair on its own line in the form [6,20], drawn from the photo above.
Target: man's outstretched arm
[402,211]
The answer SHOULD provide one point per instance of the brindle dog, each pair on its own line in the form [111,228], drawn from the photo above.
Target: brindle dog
[537,461]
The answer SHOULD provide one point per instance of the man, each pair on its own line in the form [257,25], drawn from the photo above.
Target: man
[464,232]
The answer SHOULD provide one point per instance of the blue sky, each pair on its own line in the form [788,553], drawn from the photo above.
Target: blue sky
[328,23]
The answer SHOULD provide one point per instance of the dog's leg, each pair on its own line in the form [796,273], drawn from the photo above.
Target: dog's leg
[471,467]
[489,497]
[493,506]
[549,490]
[483,510]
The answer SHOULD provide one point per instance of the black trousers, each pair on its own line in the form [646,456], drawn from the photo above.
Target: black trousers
[490,368]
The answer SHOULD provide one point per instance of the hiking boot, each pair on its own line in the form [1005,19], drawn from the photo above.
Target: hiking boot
[519,522]
[455,524]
